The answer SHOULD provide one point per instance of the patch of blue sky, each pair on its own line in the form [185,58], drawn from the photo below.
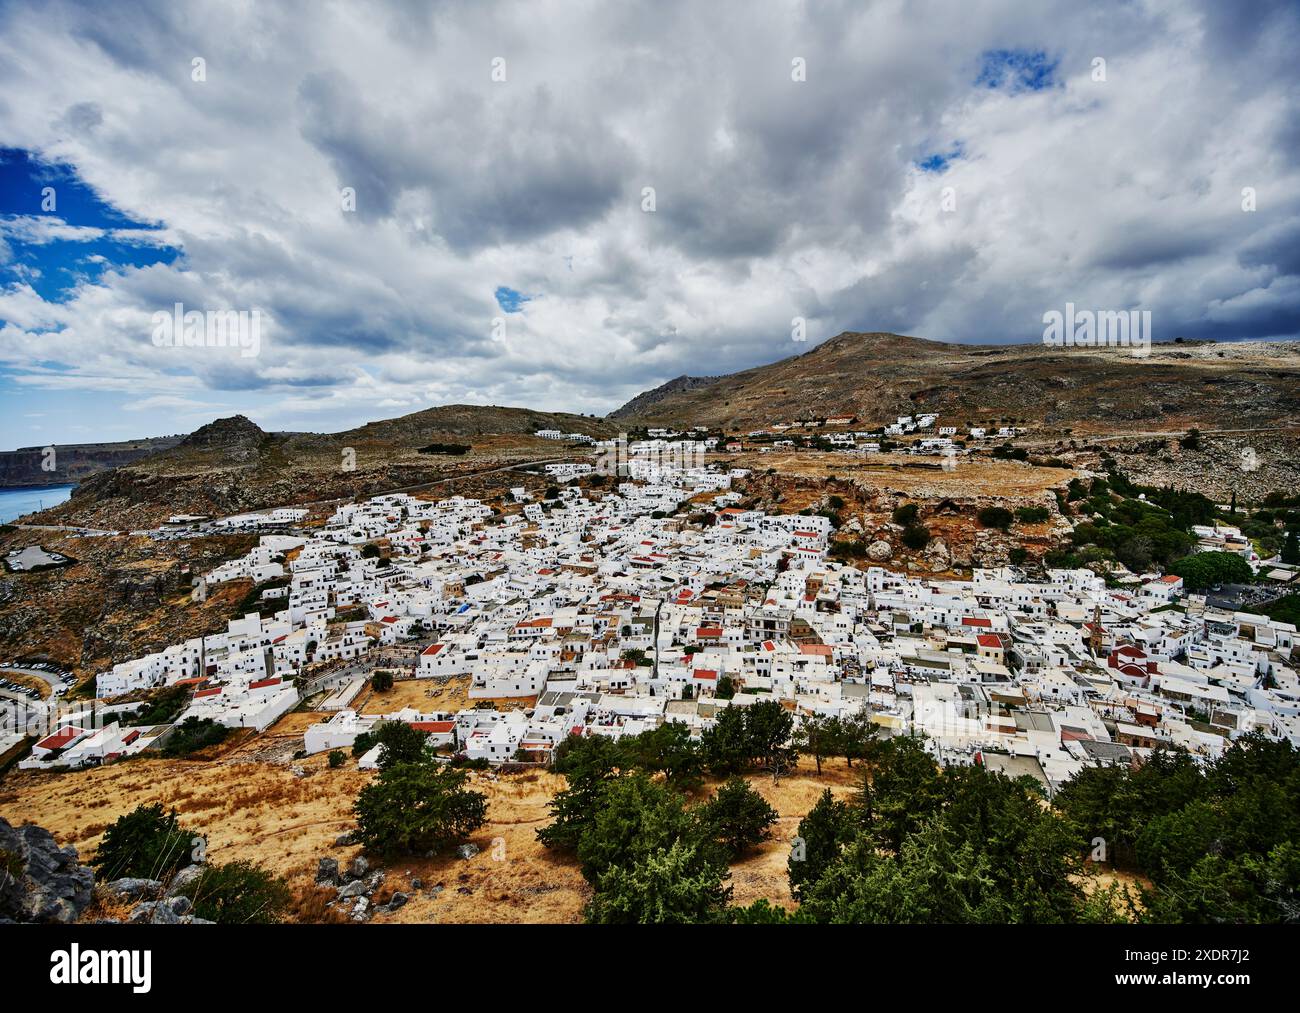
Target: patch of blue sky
[1017,70]
[938,161]
[58,233]
[510,299]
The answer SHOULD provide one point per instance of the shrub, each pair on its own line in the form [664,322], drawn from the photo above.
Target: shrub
[146,843]
[337,758]
[194,734]
[239,893]
[672,885]
[381,681]
[916,536]
[1031,514]
[905,514]
[995,517]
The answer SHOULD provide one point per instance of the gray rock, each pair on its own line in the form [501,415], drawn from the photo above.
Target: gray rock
[344,840]
[373,880]
[467,850]
[417,883]
[327,871]
[154,912]
[397,900]
[183,880]
[130,888]
[880,550]
[361,911]
[357,888]
[358,867]
[179,905]
[39,881]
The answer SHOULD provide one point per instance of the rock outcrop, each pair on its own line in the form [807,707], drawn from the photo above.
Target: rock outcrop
[39,881]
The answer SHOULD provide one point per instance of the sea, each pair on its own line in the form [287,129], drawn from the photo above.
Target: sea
[16,502]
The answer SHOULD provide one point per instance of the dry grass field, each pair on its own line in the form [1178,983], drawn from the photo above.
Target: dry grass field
[250,803]
[916,476]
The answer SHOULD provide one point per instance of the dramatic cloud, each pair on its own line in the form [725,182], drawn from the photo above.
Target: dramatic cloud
[561,204]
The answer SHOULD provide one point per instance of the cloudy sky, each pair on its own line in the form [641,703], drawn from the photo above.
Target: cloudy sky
[561,204]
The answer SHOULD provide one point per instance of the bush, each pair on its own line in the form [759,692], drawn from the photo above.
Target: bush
[381,681]
[162,706]
[239,893]
[146,843]
[337,758]
[905,514]
[916,536]
[194,734]
[1031,514]
[995,517]
[413,808]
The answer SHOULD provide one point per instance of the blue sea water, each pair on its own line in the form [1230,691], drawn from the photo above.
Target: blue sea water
[16,502]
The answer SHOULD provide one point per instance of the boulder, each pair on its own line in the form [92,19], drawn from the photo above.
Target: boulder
[327,872]
[879,551]
[357,888]
[358,867]
[155,912]
[131,888]
[183,880]
[39,881]
[397,900]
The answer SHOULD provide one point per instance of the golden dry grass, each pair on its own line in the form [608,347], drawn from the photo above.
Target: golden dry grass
[262,812]
[916,475]
[427,695]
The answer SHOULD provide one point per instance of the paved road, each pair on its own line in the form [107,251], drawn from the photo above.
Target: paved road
[49,678]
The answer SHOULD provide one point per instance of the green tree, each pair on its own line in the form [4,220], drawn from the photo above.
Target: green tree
[589,763]
[403,743]
[1206,569]
[413,808]
[823,833]
[146,843]
[768,730]
[857,736]
[738,817]
[670,750]
[818,735]
[672,885]
[725,746]
[381,681]
[1291,548]
[634,817]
